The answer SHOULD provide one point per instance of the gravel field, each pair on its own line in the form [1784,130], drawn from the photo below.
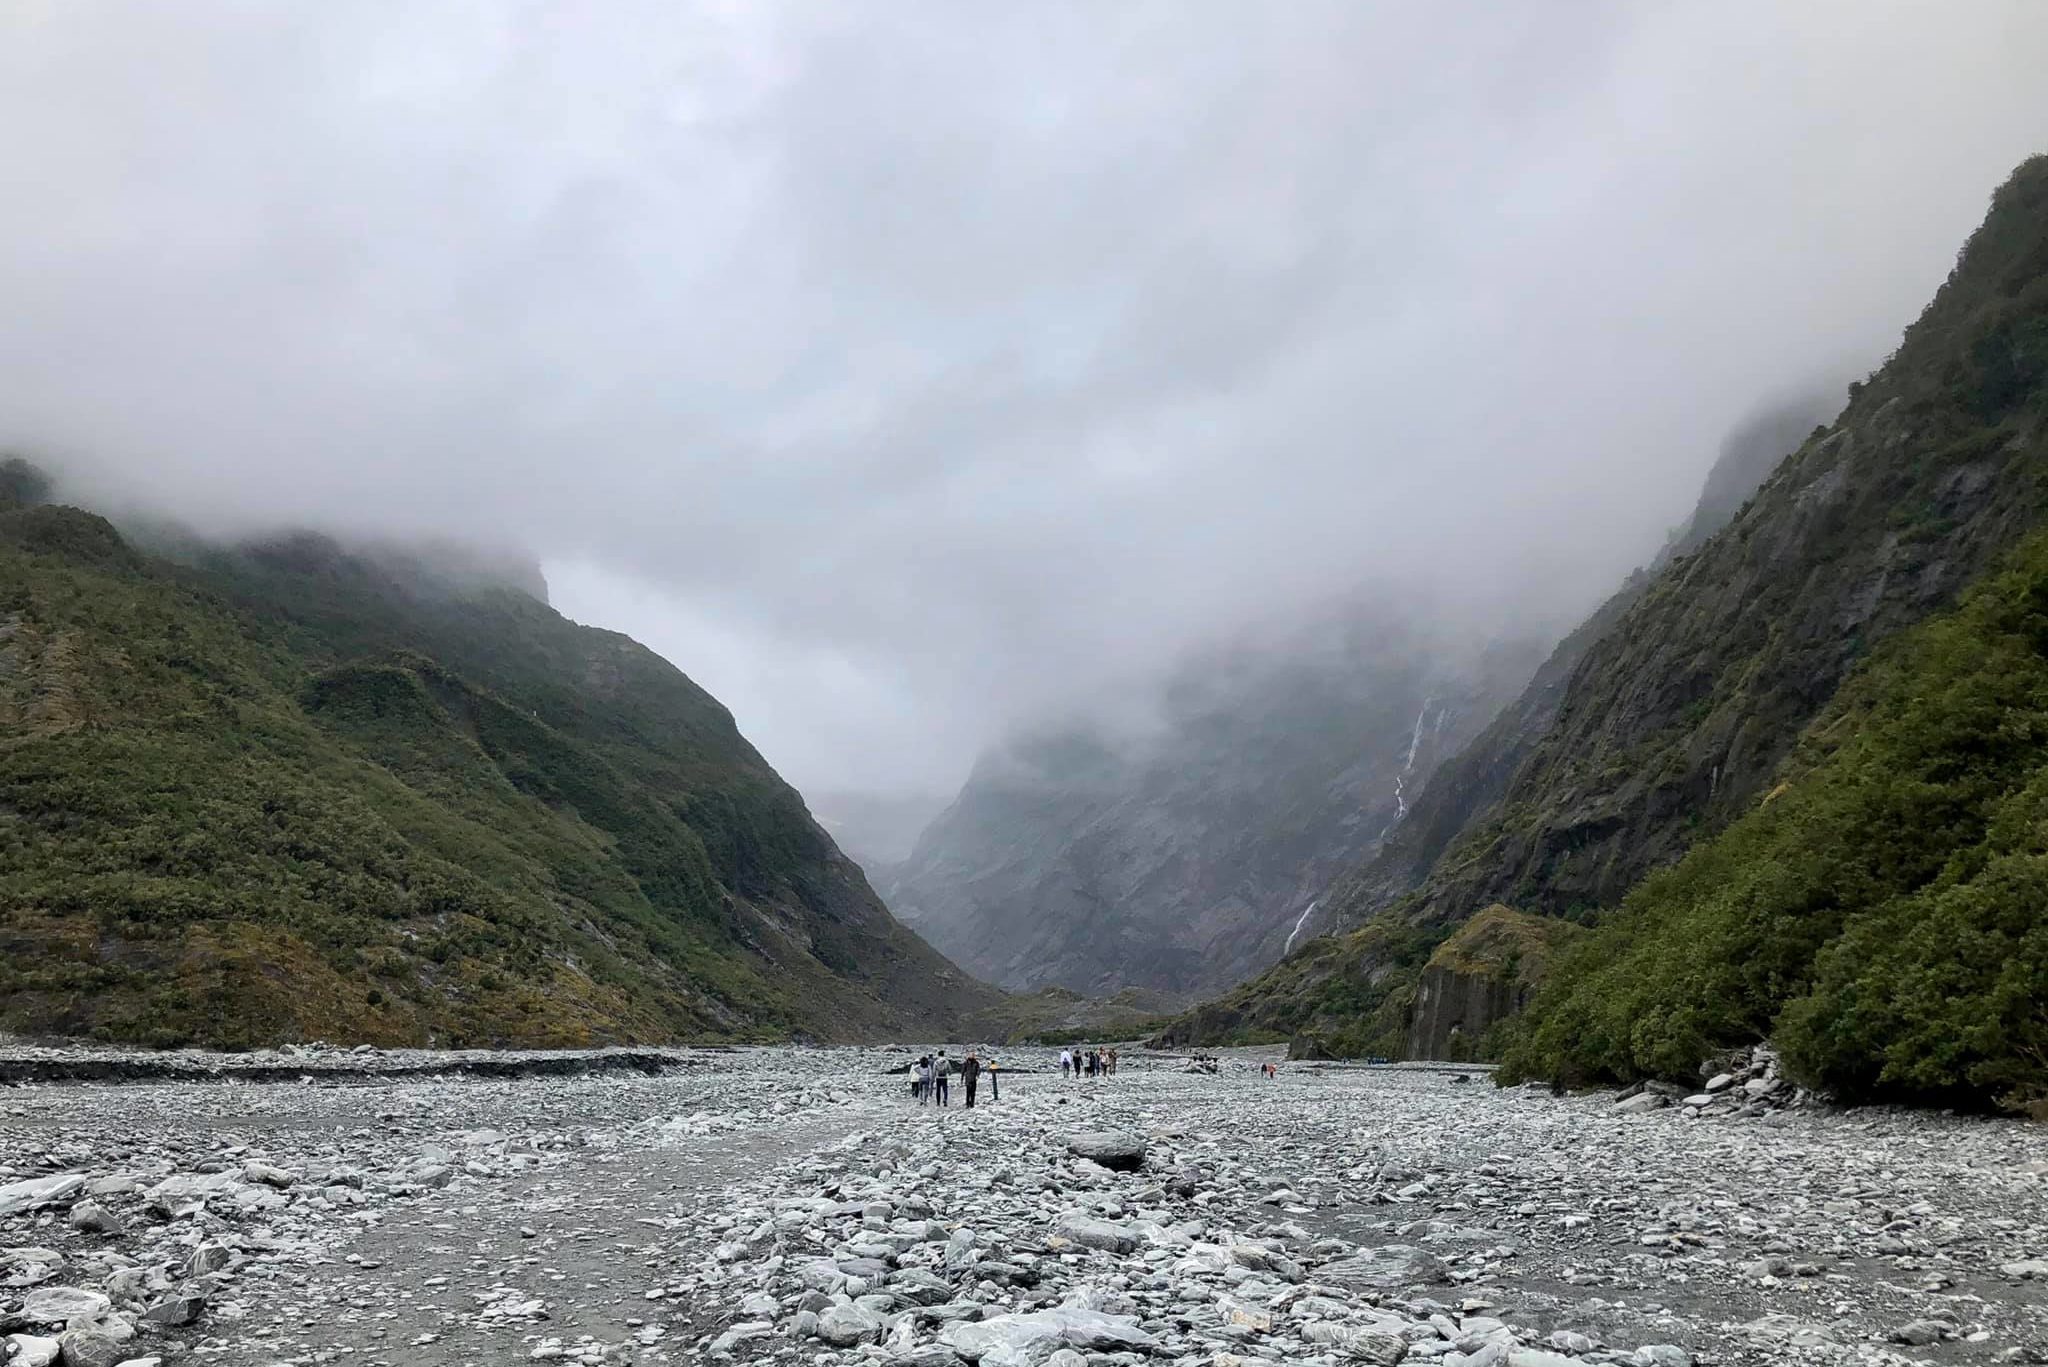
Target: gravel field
[794,1205]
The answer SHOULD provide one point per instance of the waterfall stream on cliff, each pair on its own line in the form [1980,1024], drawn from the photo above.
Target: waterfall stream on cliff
[1414,745]
[1300,921]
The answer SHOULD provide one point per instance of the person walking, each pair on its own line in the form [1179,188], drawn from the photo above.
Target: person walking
[995,1092]
[1066,1062]
[939,1070]
[970,1073]
[924,1081]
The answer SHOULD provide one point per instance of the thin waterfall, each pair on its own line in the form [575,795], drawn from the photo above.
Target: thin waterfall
[1414,746]
[1301,921]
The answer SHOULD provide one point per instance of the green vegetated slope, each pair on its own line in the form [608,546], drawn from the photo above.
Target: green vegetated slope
[1882,913]
[289,790]
[1056,1015]
[1678,716]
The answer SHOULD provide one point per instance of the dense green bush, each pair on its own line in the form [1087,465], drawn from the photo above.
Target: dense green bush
[1883,912]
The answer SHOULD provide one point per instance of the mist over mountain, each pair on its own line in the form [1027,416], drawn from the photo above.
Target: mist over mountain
[1181,855]
[1281,780]
[877,830]
[1787,779]
[1476,776]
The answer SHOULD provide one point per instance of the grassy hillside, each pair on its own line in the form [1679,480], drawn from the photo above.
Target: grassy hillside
[1880,912]
[292,791]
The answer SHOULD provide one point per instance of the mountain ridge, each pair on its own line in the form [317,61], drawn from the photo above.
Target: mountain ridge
[290,789]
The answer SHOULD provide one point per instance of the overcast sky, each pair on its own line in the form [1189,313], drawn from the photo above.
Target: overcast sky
[905,371]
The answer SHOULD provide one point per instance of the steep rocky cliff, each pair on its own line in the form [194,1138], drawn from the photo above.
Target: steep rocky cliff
[1682,704]
[1679,714]
[1472,780]
[1185,858]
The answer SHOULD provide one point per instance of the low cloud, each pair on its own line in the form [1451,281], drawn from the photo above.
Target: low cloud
[909,372]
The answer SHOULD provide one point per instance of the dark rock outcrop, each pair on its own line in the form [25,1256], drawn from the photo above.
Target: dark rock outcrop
[1482,975]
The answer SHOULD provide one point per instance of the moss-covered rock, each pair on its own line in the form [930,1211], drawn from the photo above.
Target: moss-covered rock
[1481,976]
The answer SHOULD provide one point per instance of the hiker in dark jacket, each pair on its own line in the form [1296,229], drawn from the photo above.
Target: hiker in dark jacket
[970,1072]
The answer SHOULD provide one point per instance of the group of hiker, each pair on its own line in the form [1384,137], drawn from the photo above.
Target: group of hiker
[931,1078]
[1088,1063]
[936,1080]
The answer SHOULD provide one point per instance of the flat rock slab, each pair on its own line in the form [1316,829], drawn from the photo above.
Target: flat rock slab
[17,1197]
[1388,1268]
[1035,1337]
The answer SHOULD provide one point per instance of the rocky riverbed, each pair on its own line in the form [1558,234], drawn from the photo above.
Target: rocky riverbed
[794,1205]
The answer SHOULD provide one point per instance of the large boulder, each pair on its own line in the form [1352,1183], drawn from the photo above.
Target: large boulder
[844,1326]
[94,1345]
[62,1304]
[181,1306]
[1118,1149]
[1035,1337]
[94,1218]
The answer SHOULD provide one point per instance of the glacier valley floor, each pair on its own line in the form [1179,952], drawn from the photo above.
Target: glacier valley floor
[794,1205]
